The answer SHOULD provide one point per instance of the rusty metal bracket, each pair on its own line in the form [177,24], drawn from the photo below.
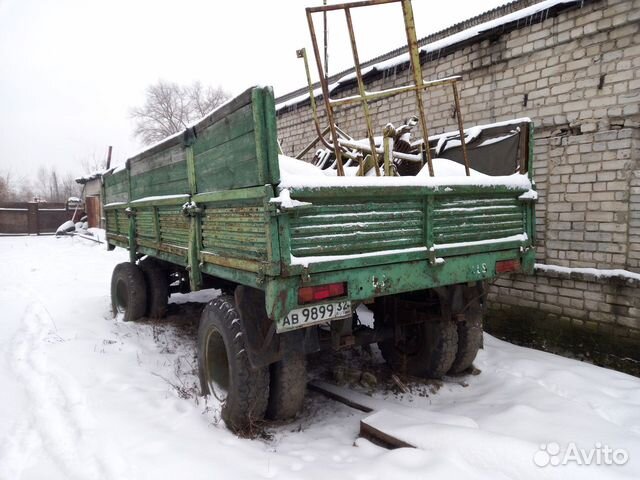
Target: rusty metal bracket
[261,274]
[306,276]
[364,98]
[190,209]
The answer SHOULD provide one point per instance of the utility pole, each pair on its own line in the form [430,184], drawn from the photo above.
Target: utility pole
[326,43]
[109,157]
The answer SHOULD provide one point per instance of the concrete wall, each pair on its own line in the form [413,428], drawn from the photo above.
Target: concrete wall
[577,75]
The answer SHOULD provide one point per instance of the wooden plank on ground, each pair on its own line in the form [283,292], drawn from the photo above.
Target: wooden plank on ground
[393,425]
[380,437]
[368,429]
[338,394]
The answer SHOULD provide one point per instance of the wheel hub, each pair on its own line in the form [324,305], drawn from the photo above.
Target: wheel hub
[217,366]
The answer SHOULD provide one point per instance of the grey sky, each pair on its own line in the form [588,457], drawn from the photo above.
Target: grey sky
[70,70]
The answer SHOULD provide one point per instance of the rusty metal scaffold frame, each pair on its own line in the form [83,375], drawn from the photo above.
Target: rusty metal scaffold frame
[339,141]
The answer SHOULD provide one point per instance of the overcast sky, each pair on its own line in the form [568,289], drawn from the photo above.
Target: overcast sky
[70,70]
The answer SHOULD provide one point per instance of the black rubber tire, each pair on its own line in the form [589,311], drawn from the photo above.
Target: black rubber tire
[287,387]
[157,281]
[429,352]
[469,332]
[128,292]
[222,357]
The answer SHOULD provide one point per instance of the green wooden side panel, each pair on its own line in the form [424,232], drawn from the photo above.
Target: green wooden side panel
[162,231]
[112,221]
[234,148]
[164,180]
[231,158]
[237,231]
[122,223]
[481,217]
[224,130]
[174,226]
[161,170]
[230,165]
[117,226]
[116,192]
[413,224]
[344,227]
[110,216]
[146,224]
[116,187]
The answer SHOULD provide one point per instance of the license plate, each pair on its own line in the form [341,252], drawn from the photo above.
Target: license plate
[302,317]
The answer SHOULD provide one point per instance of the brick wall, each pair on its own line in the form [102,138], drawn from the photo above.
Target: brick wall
[577,76]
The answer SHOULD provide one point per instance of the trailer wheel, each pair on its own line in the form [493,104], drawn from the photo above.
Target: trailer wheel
[157,288]
[287,387]
[224,368]
[426,349]
[469,331]
[128,292]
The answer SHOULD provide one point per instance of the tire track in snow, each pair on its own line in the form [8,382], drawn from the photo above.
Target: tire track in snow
[17,448]
[59,421]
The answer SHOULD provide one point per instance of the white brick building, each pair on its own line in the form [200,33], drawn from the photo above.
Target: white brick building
[574,69]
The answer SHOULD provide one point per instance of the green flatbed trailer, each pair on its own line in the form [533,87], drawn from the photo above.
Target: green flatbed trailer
[203,209]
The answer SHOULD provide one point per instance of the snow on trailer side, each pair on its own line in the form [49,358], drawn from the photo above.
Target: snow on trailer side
[387,235]
[417,217]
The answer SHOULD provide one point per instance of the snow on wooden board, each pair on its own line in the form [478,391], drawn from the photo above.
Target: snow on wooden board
[305,261]
[299,174]
[85,396]
[596,272]
[394,408]
[285,201]
[520,237]
[115,204]
[156,198]
[476,130]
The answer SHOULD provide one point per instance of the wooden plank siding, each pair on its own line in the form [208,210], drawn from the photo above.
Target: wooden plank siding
[163,173]
[235,232]
[234,151]
[116,187]
[226,164]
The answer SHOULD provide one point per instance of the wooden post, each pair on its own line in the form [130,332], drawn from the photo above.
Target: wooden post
[109,157]
[32,219]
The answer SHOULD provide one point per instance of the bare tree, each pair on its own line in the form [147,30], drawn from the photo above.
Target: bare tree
[6,192]
[69,187]
[204,99]
[42,183]
[24,191]
[54,187]
[15,189]
[92,164]
[170,107]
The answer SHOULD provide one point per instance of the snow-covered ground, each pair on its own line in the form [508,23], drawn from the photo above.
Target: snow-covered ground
[88,397]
